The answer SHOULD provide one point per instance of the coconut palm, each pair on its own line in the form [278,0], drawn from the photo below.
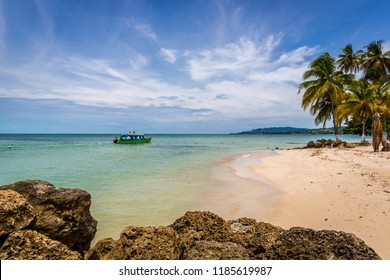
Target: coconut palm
[348,61]
[376,63]
[361,102]
[322,109]
[323,83]
[382,88]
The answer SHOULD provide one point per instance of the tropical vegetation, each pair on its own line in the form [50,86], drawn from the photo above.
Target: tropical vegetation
[350,88]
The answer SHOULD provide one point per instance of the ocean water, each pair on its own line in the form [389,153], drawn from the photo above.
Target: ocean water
[148,184]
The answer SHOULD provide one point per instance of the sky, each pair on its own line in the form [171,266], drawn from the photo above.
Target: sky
[169,66]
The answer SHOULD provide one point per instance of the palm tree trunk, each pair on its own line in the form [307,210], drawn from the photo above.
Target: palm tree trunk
[384,140]
[335,124]
[363,133]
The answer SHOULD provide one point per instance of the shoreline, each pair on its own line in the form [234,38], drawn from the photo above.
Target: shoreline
[327,188]
[236,190]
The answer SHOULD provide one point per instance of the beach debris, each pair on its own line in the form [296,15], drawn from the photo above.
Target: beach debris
[238,227]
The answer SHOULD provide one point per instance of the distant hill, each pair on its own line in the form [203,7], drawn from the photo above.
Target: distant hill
[288,130]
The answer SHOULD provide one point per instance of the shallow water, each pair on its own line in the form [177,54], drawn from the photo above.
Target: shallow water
[149,184]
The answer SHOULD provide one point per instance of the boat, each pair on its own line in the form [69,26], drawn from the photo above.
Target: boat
[132,138]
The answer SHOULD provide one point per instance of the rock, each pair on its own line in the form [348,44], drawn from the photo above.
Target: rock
[209,226]
[205,236]
[307,244]
[321,143]
[150,243]
[15,212]
[31,245]
[256,237]
[106,249]
[386,148]
[310,144]
[198,225]
[350,145]
[214,250]
[139,243]
[60,214]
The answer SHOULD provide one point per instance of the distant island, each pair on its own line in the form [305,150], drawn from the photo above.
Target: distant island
[288,130]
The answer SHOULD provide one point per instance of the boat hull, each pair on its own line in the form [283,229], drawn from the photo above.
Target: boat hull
[135,141]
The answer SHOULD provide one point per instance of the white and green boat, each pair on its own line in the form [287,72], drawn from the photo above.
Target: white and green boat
[132,138]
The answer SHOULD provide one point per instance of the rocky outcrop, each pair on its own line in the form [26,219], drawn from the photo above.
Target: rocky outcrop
[151,243]
[256,237]
[214,250]
[31,245]
[307,244]
[60,214]
[36,216]
[15,212]
[206,236]
[329,143]
[139,243]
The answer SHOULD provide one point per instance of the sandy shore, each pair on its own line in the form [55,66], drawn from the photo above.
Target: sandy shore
[329,188]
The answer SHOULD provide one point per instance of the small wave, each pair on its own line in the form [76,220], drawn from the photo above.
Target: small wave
[171,147]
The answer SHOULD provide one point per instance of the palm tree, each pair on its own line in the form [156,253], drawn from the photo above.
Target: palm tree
[349,62]
[376,63]
[324,91]
[322,109]
[361,102]
[382,88]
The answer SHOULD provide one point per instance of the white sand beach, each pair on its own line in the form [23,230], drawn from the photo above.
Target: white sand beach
[329,188]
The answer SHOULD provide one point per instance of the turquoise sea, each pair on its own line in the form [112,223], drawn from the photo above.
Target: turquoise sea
[149,184]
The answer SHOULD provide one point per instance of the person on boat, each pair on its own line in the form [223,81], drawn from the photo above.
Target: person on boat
[116,140]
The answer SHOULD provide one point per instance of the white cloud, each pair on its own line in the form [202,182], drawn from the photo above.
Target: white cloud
[233,59]
[145,29]
[282,74]
[298,55]
[138,61]
[386,46]
[169,55]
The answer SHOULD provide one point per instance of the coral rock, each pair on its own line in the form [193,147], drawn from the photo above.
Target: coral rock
[31,245]
[61,214]
[15,212]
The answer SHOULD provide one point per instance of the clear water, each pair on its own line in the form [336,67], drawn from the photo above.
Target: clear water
[150,184]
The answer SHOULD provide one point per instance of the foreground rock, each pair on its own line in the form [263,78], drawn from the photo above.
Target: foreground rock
[307,244]
[60,214]
[15,212]
[206,236]
[40,221]
[31,245]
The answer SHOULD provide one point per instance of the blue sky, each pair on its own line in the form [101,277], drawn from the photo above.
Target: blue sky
[178,66]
